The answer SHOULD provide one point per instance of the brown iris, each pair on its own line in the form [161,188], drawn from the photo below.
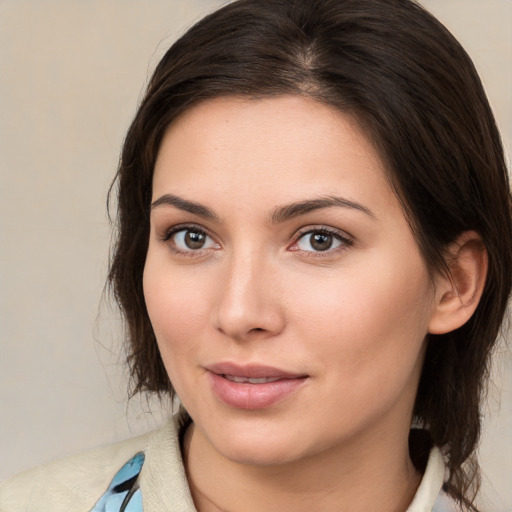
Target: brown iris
[194,240]
[321,241]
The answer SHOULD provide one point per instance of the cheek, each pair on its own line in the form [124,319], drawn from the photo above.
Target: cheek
[367,320]
[177,309]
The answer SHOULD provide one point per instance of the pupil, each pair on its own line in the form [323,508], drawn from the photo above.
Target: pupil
[321,241]
[194,240]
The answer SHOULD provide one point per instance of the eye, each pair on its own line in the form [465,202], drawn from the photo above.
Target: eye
[189,239]
[321,240]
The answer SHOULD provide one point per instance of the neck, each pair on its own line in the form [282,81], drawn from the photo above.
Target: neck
[371,473]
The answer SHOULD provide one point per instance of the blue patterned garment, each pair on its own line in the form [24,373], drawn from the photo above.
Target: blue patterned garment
[123,493]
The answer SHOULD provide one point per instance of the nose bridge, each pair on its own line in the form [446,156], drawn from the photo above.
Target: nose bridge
[247,300]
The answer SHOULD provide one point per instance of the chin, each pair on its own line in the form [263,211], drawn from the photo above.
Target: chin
[263,453]
[258,442]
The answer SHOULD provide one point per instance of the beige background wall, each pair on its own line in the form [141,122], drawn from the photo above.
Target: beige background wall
[71,73]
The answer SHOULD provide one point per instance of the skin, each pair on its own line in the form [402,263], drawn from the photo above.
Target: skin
[352,318]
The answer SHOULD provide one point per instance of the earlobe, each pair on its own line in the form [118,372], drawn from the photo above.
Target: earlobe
[458,293]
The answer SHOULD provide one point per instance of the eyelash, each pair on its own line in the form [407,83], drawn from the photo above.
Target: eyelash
[166,237]
[345,241]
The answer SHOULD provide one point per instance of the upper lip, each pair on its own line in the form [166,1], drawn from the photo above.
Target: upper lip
[252,371]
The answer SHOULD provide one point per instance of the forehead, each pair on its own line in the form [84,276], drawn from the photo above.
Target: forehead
[280,148]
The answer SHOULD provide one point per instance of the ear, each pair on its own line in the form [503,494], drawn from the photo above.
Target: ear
[457,294]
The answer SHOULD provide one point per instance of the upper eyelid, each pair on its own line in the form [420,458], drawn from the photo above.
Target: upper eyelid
[176,228]
[327,229]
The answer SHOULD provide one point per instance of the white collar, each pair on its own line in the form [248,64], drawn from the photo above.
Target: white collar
[431,485]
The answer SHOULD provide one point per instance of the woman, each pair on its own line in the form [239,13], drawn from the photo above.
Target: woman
[314,249]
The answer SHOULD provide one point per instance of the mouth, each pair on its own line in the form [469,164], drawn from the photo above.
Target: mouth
[253,373]
[252,387]
[250,380]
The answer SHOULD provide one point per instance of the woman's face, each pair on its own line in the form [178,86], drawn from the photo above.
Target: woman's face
[287,293]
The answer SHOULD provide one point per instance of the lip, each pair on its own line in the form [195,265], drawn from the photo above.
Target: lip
[252,396]
[254,371]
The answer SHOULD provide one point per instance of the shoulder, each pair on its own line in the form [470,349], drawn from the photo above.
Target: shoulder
[72,483]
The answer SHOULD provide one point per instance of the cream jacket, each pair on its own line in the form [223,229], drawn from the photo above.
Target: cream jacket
[76,483]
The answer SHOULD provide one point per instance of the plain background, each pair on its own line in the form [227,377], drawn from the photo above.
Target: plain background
[71,75]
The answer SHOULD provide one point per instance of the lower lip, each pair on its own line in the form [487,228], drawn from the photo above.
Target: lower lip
[243,395]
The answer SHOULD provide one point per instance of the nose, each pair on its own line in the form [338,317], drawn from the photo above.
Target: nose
[249,302]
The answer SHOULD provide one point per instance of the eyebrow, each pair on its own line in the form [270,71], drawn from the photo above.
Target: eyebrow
[287,212]
[279,215]
[187,206]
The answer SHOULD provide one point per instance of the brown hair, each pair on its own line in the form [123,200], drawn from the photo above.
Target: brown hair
[418,97]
